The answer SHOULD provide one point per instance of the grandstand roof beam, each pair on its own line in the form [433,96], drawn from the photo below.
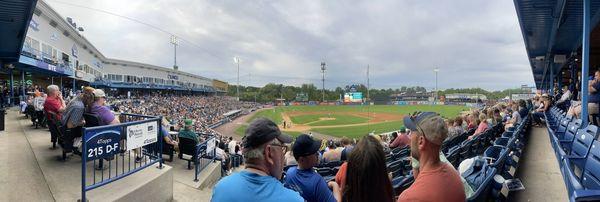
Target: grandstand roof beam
[557,15]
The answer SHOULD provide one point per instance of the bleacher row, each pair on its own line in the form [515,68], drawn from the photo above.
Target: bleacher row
[502,150]
[577,151]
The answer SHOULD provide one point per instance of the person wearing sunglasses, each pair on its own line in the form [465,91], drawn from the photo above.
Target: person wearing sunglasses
[263,150]
[434,179]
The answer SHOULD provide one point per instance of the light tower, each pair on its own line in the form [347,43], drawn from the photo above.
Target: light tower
[237,87]
[175,43]
[323,79]
[436,70]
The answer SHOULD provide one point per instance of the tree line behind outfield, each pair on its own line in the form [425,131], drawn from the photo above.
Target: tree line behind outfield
[271,91]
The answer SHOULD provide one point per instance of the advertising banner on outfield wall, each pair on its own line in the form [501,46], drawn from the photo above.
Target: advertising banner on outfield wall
[139,135]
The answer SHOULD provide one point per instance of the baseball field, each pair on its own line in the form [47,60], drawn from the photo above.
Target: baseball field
[349,121]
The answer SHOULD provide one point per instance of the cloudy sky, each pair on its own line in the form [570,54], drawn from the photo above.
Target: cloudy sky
[474,43]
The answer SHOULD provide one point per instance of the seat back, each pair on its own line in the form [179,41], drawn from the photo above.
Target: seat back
[498,153]
[591,173]
[564,123]
[583,141]
[482,193]
[187,146]
[503,141]
[571,131]
[91,120]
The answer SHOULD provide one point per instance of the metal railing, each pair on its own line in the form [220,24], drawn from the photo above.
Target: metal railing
[206,153]
[112,152]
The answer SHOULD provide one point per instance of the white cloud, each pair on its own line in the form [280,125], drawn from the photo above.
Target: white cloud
[474,43]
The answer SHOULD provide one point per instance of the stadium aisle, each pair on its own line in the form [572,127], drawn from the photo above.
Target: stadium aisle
[539,171]
[20,165]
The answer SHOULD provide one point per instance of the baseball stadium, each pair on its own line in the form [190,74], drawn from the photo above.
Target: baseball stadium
[323,101]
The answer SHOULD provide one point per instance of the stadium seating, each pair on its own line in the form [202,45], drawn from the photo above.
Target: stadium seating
[587,185]
[188,147]
[53,126]
[578,152]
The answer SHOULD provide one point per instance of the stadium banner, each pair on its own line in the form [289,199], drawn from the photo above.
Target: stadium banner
[102,143]
[142,134]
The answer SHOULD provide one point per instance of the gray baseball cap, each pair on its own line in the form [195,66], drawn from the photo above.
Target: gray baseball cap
[430,124]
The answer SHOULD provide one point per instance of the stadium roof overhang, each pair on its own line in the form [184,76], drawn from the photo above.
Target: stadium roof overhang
[551,29]
[14,20]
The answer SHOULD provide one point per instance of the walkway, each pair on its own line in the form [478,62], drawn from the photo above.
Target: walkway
[539,171]
[21,178]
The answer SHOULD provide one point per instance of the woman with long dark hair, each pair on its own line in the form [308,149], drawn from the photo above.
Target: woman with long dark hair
[367,177]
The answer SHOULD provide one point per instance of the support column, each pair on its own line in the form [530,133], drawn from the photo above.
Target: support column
[12,91]
[24,96]
[585,62]
[551,80]
[74,80]
[62,88]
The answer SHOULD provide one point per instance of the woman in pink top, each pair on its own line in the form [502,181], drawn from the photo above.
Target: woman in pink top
[483,125]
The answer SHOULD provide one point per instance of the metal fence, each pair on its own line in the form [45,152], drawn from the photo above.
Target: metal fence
[206,152]
[113,152]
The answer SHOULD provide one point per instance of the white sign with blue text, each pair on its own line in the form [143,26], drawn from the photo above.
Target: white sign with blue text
[142,134]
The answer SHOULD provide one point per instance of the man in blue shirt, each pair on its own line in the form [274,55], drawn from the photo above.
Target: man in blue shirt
[263,152]
[304,179]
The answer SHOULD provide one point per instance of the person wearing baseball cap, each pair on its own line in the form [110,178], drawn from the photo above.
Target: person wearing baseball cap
[263,151]
[187,132]
[434,179]
[303,178]
[107,117]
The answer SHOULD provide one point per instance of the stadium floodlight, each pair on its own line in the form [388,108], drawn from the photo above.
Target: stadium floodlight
[175,43]
[237,87]
[436,70]
[323,79]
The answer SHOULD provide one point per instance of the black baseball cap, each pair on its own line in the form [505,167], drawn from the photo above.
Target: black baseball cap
[261,131]
[305,146]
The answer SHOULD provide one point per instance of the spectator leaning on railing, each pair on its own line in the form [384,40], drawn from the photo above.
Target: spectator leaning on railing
[263,148]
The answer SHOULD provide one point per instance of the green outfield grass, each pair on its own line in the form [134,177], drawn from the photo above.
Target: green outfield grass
[359,131]
[275,114]
[445,110]
[340,119]
[302,119]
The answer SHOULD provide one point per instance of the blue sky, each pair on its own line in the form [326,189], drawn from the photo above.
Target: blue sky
[474,43]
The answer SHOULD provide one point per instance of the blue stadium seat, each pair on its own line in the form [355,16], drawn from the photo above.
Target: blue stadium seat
[580,149]
[483,192]
[559,141]
[401,183]
[586,186]
[562,127]
[502,141]
[498,156]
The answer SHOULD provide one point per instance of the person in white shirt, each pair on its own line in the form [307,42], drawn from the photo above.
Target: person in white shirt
[231,145]
[565,96]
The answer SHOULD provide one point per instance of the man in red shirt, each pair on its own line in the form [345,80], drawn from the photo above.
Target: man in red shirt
[435,180]
[54,102]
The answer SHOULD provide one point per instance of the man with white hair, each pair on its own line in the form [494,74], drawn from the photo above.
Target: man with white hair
[435,180]
[55,102]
